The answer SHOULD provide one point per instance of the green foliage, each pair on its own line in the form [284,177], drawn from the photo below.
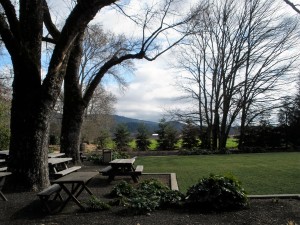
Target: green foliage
[190,135]
[4,124]
[119,155]
[122,137]
[95,204]
[122,189]
[217,193]
[142,141]
[142,204]
[148,196]
[232,143]
[53,139]
[167,136]
[95,158]
[289,119]
[4,138]
[263,136]
[102,139]
[153,144]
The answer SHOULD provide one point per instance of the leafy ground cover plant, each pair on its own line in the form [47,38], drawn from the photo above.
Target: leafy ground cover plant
[122,189]
[217,193]
[148,196]
[95,204]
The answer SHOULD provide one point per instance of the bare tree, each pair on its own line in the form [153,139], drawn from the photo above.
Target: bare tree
[155,26]
[98,116]
[236,63]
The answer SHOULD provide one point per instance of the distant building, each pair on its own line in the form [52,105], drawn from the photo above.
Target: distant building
[154,136]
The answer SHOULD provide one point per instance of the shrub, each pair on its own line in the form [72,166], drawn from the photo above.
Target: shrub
[4,138]
[122,189]
[95,204]
[53,139]
[218,193]
[171,198]
[95,158]
[142,140]
[119,155]
[147,197]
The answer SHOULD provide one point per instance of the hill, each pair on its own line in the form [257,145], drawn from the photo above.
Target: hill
[133,124]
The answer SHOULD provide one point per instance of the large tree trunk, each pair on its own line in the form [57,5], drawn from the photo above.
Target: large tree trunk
[73,105]
[70,131]
[29,116]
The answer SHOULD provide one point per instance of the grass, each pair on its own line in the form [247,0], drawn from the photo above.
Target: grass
[231,143]
[269,173]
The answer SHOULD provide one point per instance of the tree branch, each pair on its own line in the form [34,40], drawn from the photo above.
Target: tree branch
[55,33]
[11,17]
[292,5]
[8,38]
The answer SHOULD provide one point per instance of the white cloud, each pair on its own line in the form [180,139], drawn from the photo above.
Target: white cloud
[150,92]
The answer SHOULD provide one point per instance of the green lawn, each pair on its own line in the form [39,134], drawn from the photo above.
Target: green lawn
[269,173]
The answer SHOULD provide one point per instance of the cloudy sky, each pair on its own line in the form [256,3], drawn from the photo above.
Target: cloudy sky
[151,90]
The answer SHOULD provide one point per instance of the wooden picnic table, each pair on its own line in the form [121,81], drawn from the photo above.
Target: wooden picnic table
[123,164]
[78,181]
[56,161]
[122,167]
[2,180]
[5,154]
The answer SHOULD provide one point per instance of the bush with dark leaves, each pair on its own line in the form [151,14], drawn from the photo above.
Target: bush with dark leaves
[217,193]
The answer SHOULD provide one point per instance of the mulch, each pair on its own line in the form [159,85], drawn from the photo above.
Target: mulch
[25,208]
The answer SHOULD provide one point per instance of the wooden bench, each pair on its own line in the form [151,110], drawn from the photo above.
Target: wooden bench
[3,169]
[105,171]
[67,171]
[139,169]
[45,195]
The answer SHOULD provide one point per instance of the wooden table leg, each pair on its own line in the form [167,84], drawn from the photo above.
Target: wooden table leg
[3,196]
[135,178]
[83,187]
[71,196]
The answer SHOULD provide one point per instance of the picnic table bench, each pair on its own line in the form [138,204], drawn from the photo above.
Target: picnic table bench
[58,167]
[2,180]
[122,167]
[45,195]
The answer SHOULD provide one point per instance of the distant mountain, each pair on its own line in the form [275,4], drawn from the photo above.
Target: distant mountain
[133,124]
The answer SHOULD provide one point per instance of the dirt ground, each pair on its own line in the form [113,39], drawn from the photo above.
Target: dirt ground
[25,208]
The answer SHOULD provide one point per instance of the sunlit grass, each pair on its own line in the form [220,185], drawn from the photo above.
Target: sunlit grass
[269,173]
[232,143]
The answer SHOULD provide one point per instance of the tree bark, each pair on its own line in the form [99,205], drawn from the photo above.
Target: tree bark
[74,108]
